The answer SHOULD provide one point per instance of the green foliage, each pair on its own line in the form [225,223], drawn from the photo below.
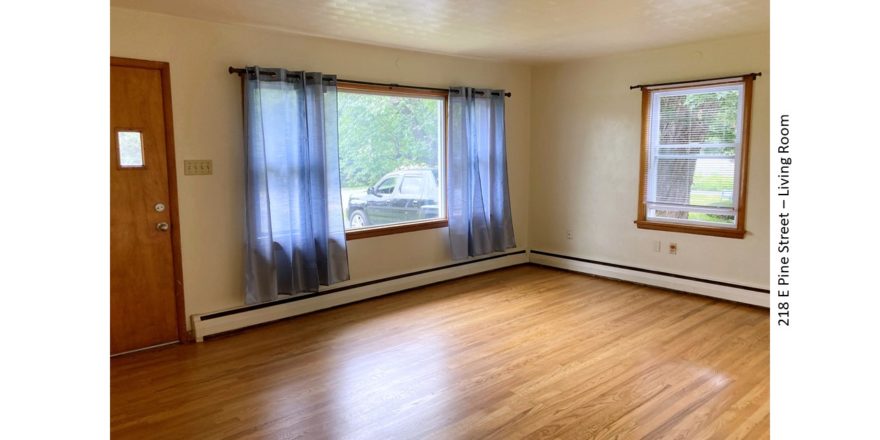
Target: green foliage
[699,118]
[379,134]
[710,200]
[712,182]
[713,218]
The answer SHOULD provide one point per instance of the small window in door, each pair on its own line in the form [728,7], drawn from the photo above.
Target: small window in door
[130,145]
[387,186]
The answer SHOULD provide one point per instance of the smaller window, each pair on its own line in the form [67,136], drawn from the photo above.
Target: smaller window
[131,149]
[387,186]
[694,157]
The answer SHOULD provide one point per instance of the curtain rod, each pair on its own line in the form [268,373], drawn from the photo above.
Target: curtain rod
[233,70]
[641,86]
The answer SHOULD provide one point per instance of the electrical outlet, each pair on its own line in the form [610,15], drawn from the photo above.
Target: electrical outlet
[198,167]
[673,248]
[657,245]
[568,234]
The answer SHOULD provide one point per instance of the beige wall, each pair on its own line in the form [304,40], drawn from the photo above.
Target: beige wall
[585,161]
[573,140]
[207,125]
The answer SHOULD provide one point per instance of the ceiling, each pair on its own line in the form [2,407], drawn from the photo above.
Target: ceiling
[515,30]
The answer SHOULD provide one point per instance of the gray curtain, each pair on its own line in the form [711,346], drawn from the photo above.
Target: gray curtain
[479,203]
[295,236]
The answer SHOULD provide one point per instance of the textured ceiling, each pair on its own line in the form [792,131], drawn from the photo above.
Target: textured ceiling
[520,30]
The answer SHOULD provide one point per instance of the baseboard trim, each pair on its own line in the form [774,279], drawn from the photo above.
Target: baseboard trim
[728,291]
[241,317]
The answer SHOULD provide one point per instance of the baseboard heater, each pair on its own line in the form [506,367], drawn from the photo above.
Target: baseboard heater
[717,289]
[240,317]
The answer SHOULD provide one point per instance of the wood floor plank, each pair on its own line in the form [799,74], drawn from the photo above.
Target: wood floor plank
[523,352]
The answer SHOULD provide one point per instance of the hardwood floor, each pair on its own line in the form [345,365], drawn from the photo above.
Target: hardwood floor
[523,352]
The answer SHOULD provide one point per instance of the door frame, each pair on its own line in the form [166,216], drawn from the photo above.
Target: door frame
[165,70]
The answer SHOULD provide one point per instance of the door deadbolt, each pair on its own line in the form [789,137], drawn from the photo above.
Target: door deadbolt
[159,207]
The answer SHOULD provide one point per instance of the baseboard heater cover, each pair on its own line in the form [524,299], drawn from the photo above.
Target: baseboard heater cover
[716,289]
[233,319]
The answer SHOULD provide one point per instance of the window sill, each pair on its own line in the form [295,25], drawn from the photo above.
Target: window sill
[691,229]
[378,231]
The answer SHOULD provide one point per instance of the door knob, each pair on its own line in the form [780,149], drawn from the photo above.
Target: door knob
[162,226]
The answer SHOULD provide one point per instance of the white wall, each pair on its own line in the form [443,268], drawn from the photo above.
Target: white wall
[207,125]
[585,161]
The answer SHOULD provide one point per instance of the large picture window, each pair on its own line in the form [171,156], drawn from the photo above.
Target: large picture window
[694,157]
[392,159]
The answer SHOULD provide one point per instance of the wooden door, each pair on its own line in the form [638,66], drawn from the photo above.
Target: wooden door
[145,282]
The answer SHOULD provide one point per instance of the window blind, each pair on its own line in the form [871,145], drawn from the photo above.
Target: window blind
[694,140]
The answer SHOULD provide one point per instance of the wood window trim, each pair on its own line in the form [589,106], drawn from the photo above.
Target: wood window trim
[400,228]
[392,90]
[378,231]
[691,229]
[739,231]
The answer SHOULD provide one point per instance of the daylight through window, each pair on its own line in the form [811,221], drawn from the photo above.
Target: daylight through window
[391,157]
[693,169]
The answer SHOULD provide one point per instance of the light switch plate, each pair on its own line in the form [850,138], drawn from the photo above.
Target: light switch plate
[198,168]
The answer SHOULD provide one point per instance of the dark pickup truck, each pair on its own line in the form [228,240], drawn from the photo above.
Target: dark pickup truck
[399,196]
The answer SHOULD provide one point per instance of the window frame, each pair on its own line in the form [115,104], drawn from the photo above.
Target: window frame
[742,159]
[410,226]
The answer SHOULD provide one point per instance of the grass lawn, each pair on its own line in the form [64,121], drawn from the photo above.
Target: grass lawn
[713,199]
